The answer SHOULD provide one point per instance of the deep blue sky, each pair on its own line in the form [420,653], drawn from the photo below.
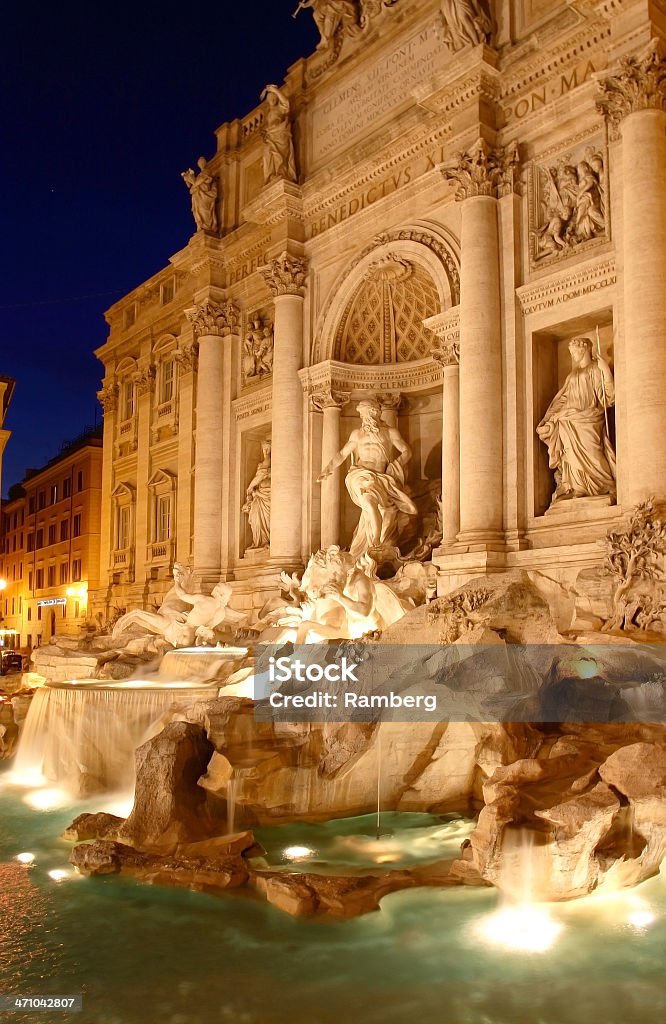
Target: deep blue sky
[101,107]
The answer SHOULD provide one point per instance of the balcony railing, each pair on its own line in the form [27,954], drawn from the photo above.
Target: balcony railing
[160,552]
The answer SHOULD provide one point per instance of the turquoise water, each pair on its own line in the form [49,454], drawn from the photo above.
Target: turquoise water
[149,955]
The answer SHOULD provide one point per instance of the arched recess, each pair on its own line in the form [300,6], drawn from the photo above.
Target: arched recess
[377,305]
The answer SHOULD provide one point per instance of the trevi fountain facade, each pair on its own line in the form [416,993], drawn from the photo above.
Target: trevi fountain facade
[399,401]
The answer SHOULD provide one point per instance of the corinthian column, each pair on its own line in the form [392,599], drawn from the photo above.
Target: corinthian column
[285,276]
[447,352]
[108,399]
[330,403]
[634,100]
[480,174]
[211,323]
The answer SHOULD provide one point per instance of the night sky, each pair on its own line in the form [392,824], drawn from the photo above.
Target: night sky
[102,107]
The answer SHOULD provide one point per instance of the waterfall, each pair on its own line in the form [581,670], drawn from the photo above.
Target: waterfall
[82,737]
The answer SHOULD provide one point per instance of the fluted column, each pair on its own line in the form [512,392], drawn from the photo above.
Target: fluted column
[211,323]
[447,353]
[480,174]
[634,101]
[186,359]
[285,277]
[331,404]
[144,384]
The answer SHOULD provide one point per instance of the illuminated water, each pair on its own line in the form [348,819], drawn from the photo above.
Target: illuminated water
[147,955]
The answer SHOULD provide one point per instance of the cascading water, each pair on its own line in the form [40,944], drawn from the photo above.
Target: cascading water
[82,737]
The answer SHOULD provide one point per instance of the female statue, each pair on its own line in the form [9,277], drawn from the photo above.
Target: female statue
[257,505]
[279,160]
[203,191]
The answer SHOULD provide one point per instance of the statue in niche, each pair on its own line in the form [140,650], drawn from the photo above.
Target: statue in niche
[257,505]
[258,350]
[572,204]
[466,23]
[338,598]
[575,427]
[203,191]
[330,17]
[375,480]
[279,159]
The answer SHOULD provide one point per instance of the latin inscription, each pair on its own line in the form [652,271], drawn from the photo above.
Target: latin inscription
[550,91]
[370,95]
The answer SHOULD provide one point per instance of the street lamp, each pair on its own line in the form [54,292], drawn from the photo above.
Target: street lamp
[3,583]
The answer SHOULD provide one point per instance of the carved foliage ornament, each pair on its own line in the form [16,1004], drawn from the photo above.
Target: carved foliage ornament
[483,171]
[326,398]
[638,84]
[213,318]
[446,351]
[186,357]
[286,275]
[144,380]
[108,397]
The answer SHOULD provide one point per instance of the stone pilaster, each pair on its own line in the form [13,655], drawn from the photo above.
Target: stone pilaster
[331,404]
[144,382]
[211,323]
[108,399]
[186,360]
[633,99]
[482,175]
[285,277]
[447,352]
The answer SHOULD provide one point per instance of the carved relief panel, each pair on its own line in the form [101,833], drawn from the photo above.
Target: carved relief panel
[568,199]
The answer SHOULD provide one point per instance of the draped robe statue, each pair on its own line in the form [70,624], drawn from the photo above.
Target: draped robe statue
[574,427]
[257,505]
[375,480]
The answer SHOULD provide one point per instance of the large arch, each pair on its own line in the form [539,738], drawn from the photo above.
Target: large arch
[424,248]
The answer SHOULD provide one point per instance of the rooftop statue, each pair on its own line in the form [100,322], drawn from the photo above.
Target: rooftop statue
[575,427]
[279,159]
[204,192]
[375,480]
[331,16]
[466,23]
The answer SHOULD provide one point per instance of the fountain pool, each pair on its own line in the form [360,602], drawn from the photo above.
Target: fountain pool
[142,954]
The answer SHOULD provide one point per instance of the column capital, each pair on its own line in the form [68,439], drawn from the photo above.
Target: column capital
[214,319]
[446,350]
[186,357]
[483,171]
[107,397]
[638,83]
[285,275]
[144,380]
[326,398]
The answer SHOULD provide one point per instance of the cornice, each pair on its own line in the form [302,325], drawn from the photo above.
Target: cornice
[572,284]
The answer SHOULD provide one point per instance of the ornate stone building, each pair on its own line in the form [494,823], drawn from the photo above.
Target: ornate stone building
[428,210]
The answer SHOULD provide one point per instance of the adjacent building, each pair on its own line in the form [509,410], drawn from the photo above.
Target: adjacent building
[7,385]
[50,544]
[429,210]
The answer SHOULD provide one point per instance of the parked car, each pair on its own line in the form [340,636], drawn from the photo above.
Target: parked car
[10,661]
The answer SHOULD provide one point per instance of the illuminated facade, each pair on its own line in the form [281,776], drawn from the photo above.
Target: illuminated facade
[50,544]
[6,392]
[429,210]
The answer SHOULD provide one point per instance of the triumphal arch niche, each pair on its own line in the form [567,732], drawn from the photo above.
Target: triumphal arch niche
[418,311]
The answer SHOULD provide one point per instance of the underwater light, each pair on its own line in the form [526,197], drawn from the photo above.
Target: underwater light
[46,799]
[641,918]
[521,929]
[26,858]
[58,875]
[298,852]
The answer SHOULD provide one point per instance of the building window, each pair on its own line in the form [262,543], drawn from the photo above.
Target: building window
[30,587]
[166,292]
[166,381]
[67,488]
[13,606]
[31,542]
[20,570]
[163,521]
[14,572]
[54,494]
[31,506]
[124,527]
[14,543]
[130,316]
[41,500]
[40,579]
[64,572]
[39,613]
[76,570]
[39,542]
[76,609]
[28,640]
[53,533]
[51,576]
[76,525]
[64,611]
[29,613]
[79,481]
[127,400]
[64,529]
[20,604]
